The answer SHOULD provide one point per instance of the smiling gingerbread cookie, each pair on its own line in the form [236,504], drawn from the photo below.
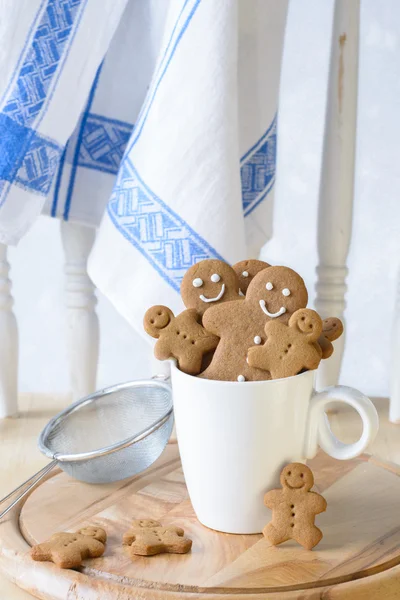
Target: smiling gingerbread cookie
[294,508]
[246,270]
[208,283]
[274,293]
[289,348]
[181,337]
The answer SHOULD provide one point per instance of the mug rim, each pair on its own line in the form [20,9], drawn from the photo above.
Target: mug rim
[174,367]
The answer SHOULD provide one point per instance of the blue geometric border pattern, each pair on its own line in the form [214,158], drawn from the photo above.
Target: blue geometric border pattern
[257,169]
[27,158]
[162,236]
[41,61]
[103,143]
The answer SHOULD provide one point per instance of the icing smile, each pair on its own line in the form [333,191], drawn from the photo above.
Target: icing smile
[280,312]
[294,487]
[222,292]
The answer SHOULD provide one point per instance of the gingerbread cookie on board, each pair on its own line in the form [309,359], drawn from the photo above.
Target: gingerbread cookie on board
[246,270]
[147,538]
[294,508]
[332,329]
[289,348]
[181,337]
[274,294]
[68,550]
[208,283]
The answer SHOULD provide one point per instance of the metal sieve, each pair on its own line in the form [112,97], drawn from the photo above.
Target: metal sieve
[108,436]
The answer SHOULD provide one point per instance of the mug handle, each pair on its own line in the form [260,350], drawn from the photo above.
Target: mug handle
[319,432]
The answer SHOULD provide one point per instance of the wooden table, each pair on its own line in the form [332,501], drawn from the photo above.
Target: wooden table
[20,458]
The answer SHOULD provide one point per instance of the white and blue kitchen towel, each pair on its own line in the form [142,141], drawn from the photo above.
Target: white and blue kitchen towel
[50,52]
[169,108]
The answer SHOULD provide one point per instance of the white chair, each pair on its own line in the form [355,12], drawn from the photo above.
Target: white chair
[82,321]
[334,235]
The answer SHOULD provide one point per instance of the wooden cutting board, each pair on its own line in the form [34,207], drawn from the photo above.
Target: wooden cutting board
[358,558]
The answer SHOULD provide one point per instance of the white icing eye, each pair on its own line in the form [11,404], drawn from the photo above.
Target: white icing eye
[197,282]
[215,278]
[286,292]
[241,378]
[245,274]
[257,340]
[269,286]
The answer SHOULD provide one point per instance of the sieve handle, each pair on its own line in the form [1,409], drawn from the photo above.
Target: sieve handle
[26,487]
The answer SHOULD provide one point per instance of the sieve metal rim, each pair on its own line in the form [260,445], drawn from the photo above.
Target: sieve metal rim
[81,456]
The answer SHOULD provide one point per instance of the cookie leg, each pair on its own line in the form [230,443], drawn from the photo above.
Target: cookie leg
[274,535]
[190,365]
[308,538]
[67,560]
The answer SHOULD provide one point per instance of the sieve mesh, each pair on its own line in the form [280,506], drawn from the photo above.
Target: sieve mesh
[107,418]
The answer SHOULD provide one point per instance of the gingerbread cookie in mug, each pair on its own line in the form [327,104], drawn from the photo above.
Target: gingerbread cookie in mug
[181,337]
[208,283]
[289,348]
[274,293]
[332,329]
[246,270]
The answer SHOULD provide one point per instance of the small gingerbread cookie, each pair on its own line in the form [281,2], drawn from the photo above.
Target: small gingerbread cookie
[294,508]
[68,550]
[207,283]
[181,337]
[147,538]
[246,270]
[289,348]
[332,329]
[274,294]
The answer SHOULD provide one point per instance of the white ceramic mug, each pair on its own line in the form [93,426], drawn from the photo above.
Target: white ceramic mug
[234,438]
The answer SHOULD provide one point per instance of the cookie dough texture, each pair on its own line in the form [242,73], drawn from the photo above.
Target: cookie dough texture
[294,508]
[147,538]
[68,550]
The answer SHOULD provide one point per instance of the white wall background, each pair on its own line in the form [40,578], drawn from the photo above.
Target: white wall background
[375,250]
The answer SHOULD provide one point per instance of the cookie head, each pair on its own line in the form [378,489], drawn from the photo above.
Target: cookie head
[208,283]
[95,532]
[246,270]
[297,476]
[278,292]
[145,524]
[307,321]
[156,319]
[332,328]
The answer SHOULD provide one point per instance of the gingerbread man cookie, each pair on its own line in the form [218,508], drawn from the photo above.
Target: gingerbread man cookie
[294,508]
[208,283]
[274,294]
[147,538]
[289,348]
[246,270]
[68,550]
[332,329]
[181,337]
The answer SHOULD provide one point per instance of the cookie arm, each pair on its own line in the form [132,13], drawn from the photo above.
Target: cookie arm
[319,503]
[129,537]
[94,549]
[162,350]
[41,552]
[257,357]
[215,318]
[325,346]
[271,498]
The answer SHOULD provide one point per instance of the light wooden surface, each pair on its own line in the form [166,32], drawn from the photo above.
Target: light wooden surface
[20,459]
